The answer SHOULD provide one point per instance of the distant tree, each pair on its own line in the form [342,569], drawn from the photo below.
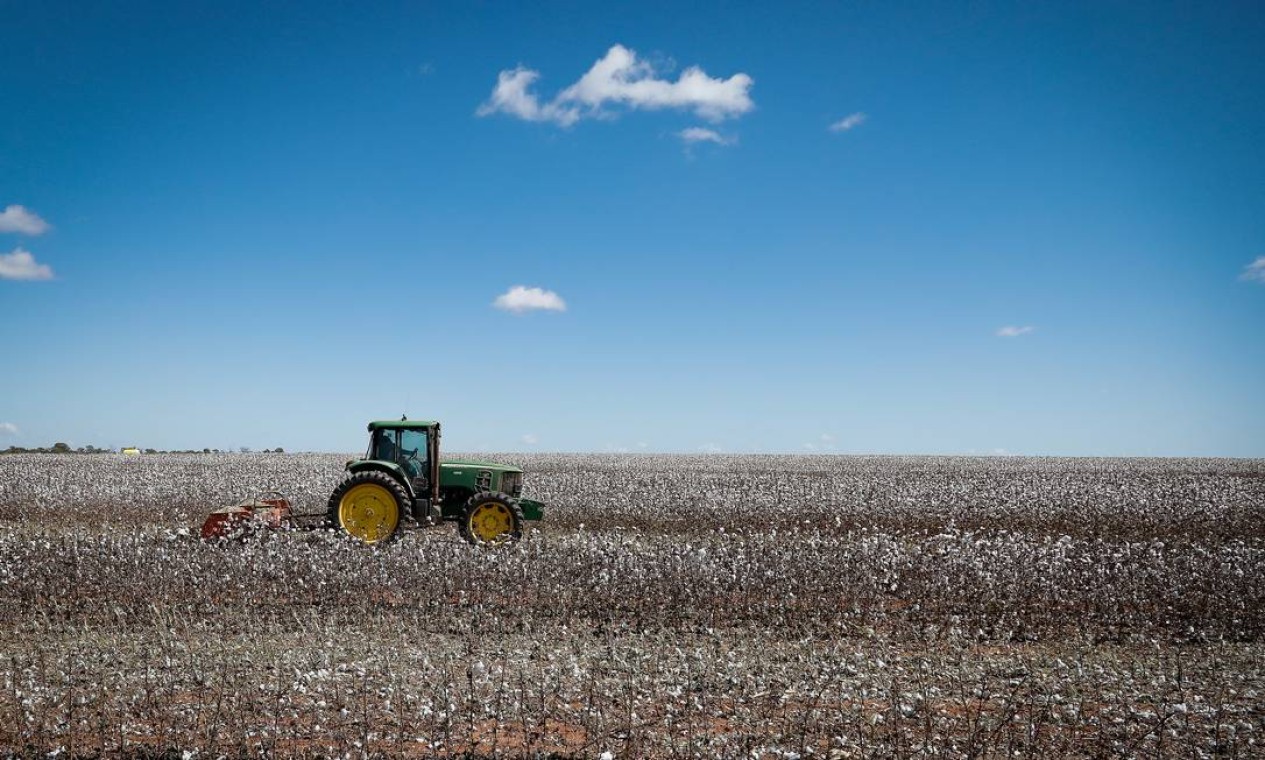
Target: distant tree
[150,451]
[278,450]
[206,451]
[244,449]
[61,448]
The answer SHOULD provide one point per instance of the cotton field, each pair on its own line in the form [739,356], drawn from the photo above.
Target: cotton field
[666,607]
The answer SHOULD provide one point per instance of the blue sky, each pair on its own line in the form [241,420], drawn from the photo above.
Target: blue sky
[938,228]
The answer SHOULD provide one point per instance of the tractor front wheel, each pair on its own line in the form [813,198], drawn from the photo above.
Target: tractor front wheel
[367,506]
[491,519]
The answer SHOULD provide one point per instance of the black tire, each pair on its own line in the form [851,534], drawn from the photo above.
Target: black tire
[370,529]
[498,509]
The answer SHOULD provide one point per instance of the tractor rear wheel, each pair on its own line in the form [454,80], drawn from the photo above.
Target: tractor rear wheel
[367,506]
[491,519]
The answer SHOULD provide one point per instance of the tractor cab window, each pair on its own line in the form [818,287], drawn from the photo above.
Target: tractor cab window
[413,452]
[406,448]
[385,445]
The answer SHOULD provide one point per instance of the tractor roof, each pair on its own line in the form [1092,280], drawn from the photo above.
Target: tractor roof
[402,424]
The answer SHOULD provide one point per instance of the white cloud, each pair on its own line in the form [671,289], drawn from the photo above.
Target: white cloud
[21,265]
[620,78]
[1254,272]
[23,220]
[519,299]
[511,95]
[1010,331]
[848,122]
[825,442]
[8,429]
[701,134]
[530,439]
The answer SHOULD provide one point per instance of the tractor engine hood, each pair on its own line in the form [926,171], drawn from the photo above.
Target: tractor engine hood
[458,464]
[480,476]
[476,477]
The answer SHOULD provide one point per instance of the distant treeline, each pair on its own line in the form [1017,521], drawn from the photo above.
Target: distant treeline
[65,448]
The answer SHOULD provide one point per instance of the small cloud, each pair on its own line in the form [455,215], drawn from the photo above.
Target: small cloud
[694,135]
[1254,272]
[1010,331]
[22,220]
[425,69]
[8,429]
[619,78]
[849,122]
[642,445]
[824,442]
[520,298]
[530,439]
[21,265]
[512,96]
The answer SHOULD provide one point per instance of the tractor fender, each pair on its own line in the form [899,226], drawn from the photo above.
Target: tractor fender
[394,470]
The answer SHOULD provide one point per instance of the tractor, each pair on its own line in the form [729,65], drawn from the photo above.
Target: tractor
[401,477]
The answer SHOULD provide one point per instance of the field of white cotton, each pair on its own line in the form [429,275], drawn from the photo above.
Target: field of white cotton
[666,606]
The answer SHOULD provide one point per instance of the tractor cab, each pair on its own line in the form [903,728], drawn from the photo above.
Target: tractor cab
[412,447]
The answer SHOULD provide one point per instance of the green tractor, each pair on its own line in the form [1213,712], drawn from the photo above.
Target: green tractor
[401,476]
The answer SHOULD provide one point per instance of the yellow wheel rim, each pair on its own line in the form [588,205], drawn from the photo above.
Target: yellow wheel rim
[491,522]
[368,511]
